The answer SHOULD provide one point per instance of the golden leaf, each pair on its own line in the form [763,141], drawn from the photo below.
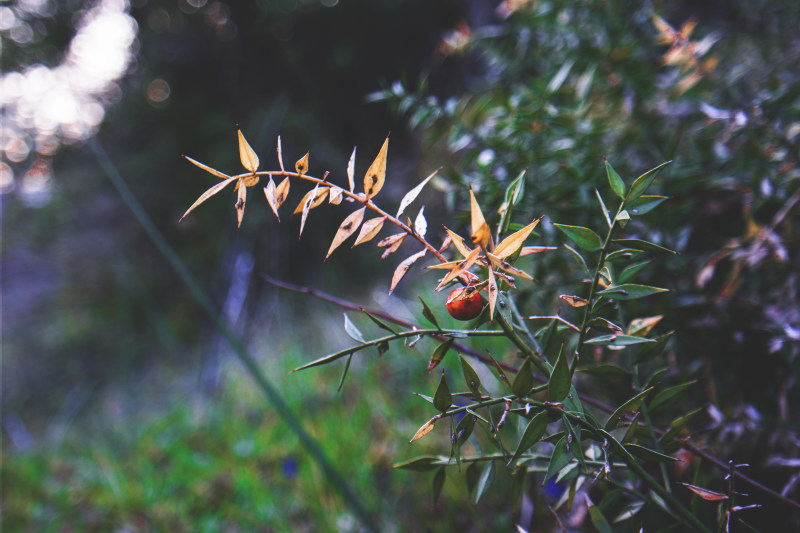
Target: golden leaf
[207,168]
[370,228]
[302,165]
[347,228]
[687,28]
[506,267]
[319,197]
[208,194]
[336,195]
[493,292]
[282,191]
[269,192]
[574,301]
[413,193]
[444,266]
[351,170]
[512,243]
[280,154]
[529,250]
[376,175]
[404,267]
[240,205]
[640,327]
[248,181]
[481,234]
[424,430]
[458,242]
[392,243]
[246,154]
[462,267]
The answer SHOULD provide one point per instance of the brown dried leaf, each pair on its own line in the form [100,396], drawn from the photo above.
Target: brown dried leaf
[462,267]
[574,301]
[493,292]
[369,230]
[247,156]
[458,242]
[403,267]
[507,268]
[302,165]
[512,243]
[269,192]
[207,168]
[319,197]
[376,175]
[706,494]
[530,250]
[351,170]
[421,224]
[336,195]
[348,227]
[208,194]
[424,430]
[640,327]
[481,234]
[413,193]
[392,243]
[280,154]
[240,205]
[282,191]
[445,244]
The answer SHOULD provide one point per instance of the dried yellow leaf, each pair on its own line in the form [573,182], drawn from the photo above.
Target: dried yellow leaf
[369,230]
[282,191]
[413,193]
[462,267]
[574,301]
[513,242]
[458,242]
[351,170]
[424,430]
[530,250]
[347,228]
[493,292]
[280,154]
[404,267]
[240,205]
[481,234]
[392,243]
[246,154]
[269,192]
[318,194]
[336,195]
[376,174]
[302,165]
[208,194]
[207,168]
[640,327]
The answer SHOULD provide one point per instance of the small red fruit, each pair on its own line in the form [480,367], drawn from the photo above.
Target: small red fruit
[464,303]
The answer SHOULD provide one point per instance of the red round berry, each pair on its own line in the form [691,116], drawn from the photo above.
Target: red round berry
[464,303]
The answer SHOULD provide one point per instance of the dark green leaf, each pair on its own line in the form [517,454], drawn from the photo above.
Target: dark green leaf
[533,434]
[500,374]
[439,352]
[584,237]
[668,396]
[625,254]
[617,340]
[428,399]
[523,381]
[559,384]
[679,423]
[617,185]
[464,429]
[518,478]
[651,351]
[630,291]
[606,369]
[631,405]
[428,314]
[631,431]
[550,341]
[472,476]
[486,480]
[645,204]
[438,483]
[598,520]
[580,258]
[572,403]
[632,271]
[646,454]
[639,244]
[603,207]
[380,323]
[560,458]
[629,512]
[344,374]
[442,399]
[642,183]
[514,193]
[418,464]
[471,377]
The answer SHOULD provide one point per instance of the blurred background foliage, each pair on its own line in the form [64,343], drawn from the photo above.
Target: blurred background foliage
[115,394]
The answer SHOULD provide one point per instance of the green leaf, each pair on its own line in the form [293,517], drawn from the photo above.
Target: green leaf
[344,374]
[632,271]
[472,476]
[667,396]
[559,384]
[514,193]
[651,351]
[641,184]
[439,352]
[646,454]
[645,204]
[625,254]
[532,434]
[679,423]
[581,260]
[646,246]
[471,377]
[617,185]
[380,323]
[486,480]
[598,519]
[464,429]
[550,342]
[560,458]
[618,340]
[418,464]
[428,314]
[603,207]
[438,483]
[631,405]
[606,370]
[352,330]
[442,399]
[584,237]
[523,381]
[630,291]
[572,403]
[500,374]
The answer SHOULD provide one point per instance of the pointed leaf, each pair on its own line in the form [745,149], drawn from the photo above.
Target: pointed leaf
[392,243]
[442,399]
[617,340]
[560,458]
[639,327]
[617,185]
[598,519]
[247,156]
[485,481]
[301,166]
[646,246]
[336,195]
[573,301]
[344,373]
[413,193]
[347,228]
[369,230]
[376,175]
[215,172]
[438,483]
[306,203]
[240,201]
[480,229]
[644,204]
[631,405]
[208,194]
[458,242]
[428,314]
[530,250]
[403,267]
[630,291]
[559,384]
[439,352]
[269,192]
[514,242]
[280,155]
[352,330]
[583,237]
[459,269]
[643,182]
[646,454]
[351,170]
[523,381]
[378,322]
[606,369]
[514,193]
[632,271]
[532,434]
[668,396]
[312,198]
[603,207]
[420,224]
[706,494]
[471,377]
[418,464]
[425,429]
[493,292]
